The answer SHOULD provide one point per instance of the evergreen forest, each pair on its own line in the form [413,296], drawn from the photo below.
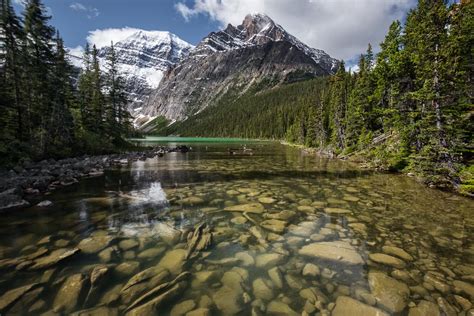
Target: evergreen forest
[47,110]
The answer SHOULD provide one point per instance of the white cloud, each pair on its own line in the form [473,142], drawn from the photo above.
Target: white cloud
[342,28]
[76,51]
[76,6]
[75,55]
[90,12]
[101,38]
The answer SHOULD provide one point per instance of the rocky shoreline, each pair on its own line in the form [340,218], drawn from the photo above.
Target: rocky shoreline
[31,180]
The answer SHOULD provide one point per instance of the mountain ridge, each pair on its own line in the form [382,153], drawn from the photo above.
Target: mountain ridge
[142,59]
[238,56]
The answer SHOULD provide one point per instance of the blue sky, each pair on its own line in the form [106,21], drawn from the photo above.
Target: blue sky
[75,19]
[342,28]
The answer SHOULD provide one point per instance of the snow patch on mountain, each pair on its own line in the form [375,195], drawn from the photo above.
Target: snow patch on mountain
[142,59]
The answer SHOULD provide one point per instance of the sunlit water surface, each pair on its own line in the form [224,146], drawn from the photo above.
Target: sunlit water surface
[269,214]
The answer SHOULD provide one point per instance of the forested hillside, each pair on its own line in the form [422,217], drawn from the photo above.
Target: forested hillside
[408,108]
[43,113]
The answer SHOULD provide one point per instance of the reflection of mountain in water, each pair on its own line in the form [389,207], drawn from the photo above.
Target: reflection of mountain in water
[154,194]
[137,219]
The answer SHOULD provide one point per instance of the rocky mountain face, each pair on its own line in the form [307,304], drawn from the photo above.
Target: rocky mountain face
[143,58]
[257,52]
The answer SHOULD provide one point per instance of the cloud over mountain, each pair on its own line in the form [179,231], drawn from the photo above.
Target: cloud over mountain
[342,28]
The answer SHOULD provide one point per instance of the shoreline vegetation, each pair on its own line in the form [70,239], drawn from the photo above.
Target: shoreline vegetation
[49,108]
[409,108]
[364,163]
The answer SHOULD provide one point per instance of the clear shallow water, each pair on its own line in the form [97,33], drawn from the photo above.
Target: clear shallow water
[228,230]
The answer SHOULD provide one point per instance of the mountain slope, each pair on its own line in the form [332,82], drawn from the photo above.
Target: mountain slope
[143,58]
[258,51]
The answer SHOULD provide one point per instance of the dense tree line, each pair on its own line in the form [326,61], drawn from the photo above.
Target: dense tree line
[43,113]
[409,108]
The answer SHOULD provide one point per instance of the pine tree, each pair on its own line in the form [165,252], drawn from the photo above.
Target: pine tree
[61,125]
[38,65]
[85,92]
[339,106]
[12,75]
[426,34]
[98,100]
[117,115]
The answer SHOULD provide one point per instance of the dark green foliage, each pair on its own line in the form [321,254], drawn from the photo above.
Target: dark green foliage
[41,113]
[278,109]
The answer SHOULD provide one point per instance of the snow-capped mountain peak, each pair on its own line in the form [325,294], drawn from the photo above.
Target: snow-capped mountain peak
[142,58]
[257,29]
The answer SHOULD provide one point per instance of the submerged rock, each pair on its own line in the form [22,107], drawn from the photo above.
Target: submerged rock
[199,312]
[192,200]
[68,297]
[94,244]
[182,308]
[283,215]
[269,260]
[128,268]
[229,298]
[149,303]
[173,261]
[266,200]
[262,289]
[274,225]
[391,294]
[53,258]
[249,208]
[239,220]
[387,260]
[98,311]
[142,282]
[398,252]
[97,281]
[167,233]
[151,253]
[245,258]
[8,299]
[346,306]
[128,244]
[275,276]
[336,210]
[337,251]
[198,240]
[424,308]
[280,309]
[311,270]
[464,287]
[108,254]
